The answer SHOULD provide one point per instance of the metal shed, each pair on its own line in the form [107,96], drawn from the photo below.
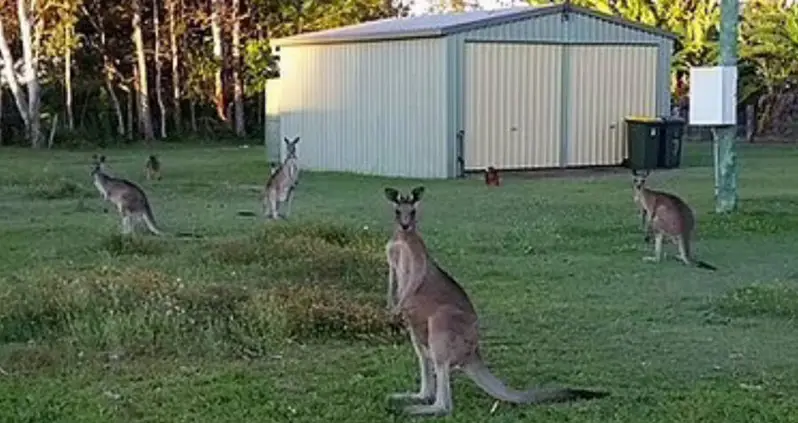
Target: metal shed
[526,87]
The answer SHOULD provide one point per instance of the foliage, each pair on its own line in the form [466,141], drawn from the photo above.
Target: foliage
[98,34]
[770,31]
[200,68]
[260,64]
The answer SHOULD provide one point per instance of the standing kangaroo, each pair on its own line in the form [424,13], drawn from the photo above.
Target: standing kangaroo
[129,199]
[668,215]
[282,182]
[152,168]
[442,321]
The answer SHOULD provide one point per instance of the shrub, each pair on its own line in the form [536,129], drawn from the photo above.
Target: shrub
[315,312]
[145,311]
[331,254]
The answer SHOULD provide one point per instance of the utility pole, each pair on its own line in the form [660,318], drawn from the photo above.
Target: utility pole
[726,172]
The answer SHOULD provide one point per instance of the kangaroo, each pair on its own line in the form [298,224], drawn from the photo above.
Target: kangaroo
[281,183]
[152,168]
[129,199]
[666,214]
[492,177]
[442,322]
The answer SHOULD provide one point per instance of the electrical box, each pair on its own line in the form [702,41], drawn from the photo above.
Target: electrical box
[713,96]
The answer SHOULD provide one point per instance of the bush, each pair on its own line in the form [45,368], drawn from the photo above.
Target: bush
[316,312]
[144,311]
[318,253]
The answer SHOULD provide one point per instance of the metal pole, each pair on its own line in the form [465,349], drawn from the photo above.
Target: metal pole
[726,167]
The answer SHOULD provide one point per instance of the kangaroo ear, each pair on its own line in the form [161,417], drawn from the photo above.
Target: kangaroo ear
[286,140]
[102,159]
[392,195]
[416,194]
[296,141]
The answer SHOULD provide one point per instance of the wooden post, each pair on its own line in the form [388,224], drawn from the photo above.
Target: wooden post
[727,171]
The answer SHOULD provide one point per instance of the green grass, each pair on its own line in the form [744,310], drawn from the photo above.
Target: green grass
[278,322]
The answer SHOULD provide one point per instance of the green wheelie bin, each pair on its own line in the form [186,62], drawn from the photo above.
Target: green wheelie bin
[644,140]
[670,152]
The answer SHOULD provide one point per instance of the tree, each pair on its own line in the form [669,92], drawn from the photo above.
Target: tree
[770,33]
[29,103]
[156,22]
[31,70]
[218,55]
[238,88]
[142,91]
[175,59]
[11,77]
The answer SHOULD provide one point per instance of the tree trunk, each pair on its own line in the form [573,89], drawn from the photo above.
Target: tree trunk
[137,99]
[218,55]
[120,120]
[11,77]
[1,114]
[34,130]
[53,129]
[299,6]
[108,70]
[68,78]
[192,108]
[130,106]
[750,122]
[156,22]
[145,117]
[238,84]
[177,112]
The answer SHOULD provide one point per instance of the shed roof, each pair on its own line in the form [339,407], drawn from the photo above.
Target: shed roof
[438,25]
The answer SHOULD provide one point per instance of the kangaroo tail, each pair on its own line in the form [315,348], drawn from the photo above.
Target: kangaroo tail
[494,387]
[247,213]
[149,220]
[705,265]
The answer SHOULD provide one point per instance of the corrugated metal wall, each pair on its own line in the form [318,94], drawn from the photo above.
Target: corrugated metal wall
[607,84]
[373,108]
[578,29]
[512,105]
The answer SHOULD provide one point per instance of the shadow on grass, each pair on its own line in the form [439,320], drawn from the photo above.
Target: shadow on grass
[122,245]
[778,300]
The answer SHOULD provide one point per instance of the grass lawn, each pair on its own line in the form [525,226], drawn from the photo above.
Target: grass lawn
[283,322]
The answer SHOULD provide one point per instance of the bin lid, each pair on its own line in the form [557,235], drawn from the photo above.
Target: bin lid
[673,119]
[644,119]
